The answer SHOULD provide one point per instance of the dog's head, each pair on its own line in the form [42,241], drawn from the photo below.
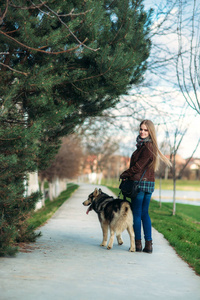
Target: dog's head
[91,199]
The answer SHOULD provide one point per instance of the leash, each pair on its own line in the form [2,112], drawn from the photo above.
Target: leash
[119,194]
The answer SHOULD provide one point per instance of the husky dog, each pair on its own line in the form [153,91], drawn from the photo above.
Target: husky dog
[113,213]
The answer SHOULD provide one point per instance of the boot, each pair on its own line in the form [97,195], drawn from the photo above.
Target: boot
[138,245]
[148,247]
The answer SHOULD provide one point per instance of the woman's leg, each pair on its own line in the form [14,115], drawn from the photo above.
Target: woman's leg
[146,221]
[136,204]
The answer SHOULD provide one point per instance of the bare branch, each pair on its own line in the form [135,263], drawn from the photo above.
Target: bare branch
[58,16]
[65,25]
[71,14]
[195,149]
[5,12]
[188,86]
[14,70]
[28,7]
[39,49]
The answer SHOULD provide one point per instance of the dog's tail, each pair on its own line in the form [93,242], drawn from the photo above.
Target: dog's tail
[125,208]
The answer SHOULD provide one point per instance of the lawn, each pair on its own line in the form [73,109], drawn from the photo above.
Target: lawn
[182,230]
[181,185]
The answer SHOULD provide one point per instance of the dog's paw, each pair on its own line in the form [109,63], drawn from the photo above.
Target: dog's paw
[119,240]
[103,244]
[131,250]
[120,243]
[109,247]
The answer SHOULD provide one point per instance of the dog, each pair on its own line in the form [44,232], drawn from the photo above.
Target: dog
[114,214]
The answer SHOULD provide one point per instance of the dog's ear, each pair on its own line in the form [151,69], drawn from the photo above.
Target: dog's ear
[100,191]
[96,192]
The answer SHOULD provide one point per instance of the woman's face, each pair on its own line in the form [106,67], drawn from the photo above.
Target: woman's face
[144,133]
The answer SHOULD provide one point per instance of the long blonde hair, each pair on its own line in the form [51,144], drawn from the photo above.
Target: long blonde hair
[157,154]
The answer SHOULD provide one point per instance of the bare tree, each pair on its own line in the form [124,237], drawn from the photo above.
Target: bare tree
[176,137]
[99,144]
[188,59]
[66,164]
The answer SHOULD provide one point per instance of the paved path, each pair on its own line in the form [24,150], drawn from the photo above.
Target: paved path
[184,197]
[68,263]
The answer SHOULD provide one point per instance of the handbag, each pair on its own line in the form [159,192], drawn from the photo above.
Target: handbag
[129,188]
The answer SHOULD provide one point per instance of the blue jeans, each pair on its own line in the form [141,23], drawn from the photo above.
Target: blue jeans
[140,209]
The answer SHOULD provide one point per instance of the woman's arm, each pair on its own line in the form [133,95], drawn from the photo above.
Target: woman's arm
[145,158]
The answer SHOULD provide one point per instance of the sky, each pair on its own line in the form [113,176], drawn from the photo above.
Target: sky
[165,116]
[159,97]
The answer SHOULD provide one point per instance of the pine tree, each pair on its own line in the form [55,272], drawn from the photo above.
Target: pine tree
[61,61]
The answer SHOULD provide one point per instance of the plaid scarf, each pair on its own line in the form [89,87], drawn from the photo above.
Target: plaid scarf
[141,141]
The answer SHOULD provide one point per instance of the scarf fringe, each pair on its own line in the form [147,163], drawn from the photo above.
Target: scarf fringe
[141,141]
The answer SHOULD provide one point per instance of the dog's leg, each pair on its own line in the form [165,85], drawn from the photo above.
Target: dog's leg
[119,239]
[112,236]
[104,227]
[132,238]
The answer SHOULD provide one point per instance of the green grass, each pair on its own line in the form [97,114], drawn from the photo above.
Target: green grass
[181,185]
[182,230]
[40,216]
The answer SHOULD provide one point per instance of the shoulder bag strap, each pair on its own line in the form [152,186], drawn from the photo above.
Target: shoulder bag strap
[142,175]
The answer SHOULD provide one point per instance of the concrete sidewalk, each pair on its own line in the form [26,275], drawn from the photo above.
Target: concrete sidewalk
[68,263]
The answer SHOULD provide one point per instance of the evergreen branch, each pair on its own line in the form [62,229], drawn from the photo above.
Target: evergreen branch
[61,21]
[79,89]
[39,50]
[111,4]
[14,70]
[5,12]
[101,74]
[55,14]
[14,122]
[28,7]
[16,138]
[63,15]
[75,15]
[118,31]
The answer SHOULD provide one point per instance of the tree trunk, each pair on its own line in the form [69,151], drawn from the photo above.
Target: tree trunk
[174,186]
[160,188]
[43,192]
[166,172]
[33,186]
[51,191]
[174,197]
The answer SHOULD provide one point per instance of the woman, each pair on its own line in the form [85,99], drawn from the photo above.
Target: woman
[146,157]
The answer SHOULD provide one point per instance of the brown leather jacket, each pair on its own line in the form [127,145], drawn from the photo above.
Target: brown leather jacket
[140,160]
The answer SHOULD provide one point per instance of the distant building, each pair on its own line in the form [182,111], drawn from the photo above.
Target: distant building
[194,169]
[94,168]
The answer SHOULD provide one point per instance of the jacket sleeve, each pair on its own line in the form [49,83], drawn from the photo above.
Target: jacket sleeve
[145,158]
